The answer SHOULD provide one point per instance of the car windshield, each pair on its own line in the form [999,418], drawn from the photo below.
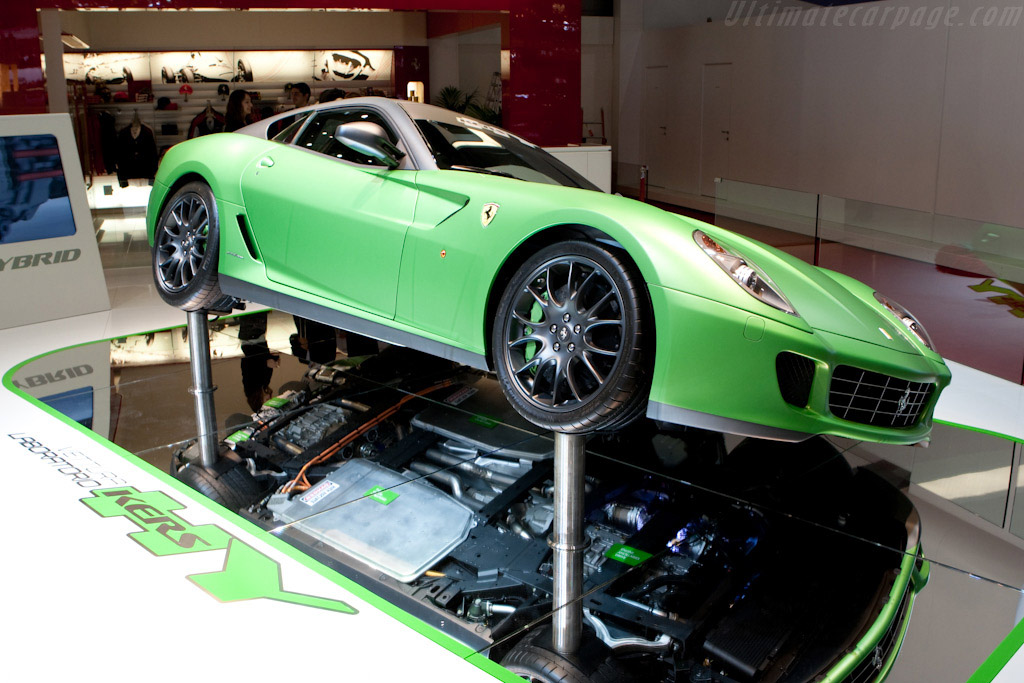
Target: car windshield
[470,145]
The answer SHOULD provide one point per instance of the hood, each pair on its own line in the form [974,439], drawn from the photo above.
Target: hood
[825,300]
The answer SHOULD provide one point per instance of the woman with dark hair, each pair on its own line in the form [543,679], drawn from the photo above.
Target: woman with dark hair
[332,94]
[239,111]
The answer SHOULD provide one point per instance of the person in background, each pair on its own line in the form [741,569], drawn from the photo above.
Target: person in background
[332,94]
[300,94]
[239,111]
[258,362]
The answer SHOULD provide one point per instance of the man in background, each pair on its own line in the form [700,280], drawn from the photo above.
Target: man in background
[300,94]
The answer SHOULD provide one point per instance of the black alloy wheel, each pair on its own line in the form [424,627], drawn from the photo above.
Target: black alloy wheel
[568,339]
[185,250]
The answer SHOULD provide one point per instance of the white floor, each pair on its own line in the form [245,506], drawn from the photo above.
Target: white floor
[83,591]
[958,620]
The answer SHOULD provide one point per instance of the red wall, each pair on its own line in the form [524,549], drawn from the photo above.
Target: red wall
[541,92]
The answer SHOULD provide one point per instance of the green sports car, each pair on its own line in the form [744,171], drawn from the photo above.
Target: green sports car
[425,228]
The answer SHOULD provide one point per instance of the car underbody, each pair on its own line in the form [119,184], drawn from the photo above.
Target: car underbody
[413,477]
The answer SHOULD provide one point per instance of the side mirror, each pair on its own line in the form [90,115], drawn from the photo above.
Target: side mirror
[369,139]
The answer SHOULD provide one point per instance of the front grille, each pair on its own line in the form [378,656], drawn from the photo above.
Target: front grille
[875,399]
[795,374]
[875,660]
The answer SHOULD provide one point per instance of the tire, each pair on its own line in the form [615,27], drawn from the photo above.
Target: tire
[235,489]
[244,71]
[568,340]
[168,75]
[185,251]
[188,75]
[534,659]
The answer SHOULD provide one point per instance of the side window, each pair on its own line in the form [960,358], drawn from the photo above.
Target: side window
[319,134]
[286,129]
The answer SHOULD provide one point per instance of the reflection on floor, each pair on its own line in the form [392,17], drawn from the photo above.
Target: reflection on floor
[119,218]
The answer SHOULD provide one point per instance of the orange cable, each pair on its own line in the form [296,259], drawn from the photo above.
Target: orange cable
[301,483]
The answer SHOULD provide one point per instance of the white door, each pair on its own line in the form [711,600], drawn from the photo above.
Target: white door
[715,122]
[656,120]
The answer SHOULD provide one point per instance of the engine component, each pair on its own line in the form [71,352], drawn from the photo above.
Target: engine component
[279,405]
[467,465]
[387,520]
[540,513]
[601,539]
[310,427]
[629,517]
[472,498]
[508,435]
[625,642]
[480,610]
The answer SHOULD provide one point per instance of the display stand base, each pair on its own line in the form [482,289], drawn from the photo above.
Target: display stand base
[202,387]
[568,543]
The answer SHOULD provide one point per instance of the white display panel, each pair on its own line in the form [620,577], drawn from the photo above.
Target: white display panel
[49,262]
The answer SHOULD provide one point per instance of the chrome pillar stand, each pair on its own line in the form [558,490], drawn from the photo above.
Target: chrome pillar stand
[202,387]
[568,542]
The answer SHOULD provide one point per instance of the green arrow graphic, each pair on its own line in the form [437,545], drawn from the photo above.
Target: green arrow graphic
[249,574]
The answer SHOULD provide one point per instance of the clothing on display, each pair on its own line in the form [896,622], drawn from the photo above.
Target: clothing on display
[207,121]
[136,152]
[102,138]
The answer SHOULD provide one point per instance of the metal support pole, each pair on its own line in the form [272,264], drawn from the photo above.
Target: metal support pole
[202,386]
[568,542]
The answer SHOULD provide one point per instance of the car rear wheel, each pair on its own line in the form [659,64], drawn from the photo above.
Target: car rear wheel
[233,488]
[185,250]
[535,660]
[568,341]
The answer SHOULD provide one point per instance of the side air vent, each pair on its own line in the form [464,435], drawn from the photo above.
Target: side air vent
[795,374]
[250,246]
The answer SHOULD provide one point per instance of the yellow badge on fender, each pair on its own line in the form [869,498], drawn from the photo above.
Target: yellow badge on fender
[488,214]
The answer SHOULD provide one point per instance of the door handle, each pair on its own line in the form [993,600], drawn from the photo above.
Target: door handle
[265,162]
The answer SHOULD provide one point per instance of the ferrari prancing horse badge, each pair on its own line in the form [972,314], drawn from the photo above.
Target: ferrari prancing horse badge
[488,214]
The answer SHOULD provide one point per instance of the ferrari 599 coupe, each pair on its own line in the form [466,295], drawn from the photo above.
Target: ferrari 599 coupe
[429,229]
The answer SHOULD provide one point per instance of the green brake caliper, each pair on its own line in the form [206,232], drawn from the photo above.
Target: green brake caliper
[536,315]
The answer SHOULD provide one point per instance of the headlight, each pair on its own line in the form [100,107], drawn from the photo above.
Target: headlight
[908,320]
[746,274]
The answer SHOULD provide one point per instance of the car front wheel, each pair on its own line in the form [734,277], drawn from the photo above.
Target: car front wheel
[569,339]
[185,250]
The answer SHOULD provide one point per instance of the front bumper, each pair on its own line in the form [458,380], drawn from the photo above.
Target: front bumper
[715,367]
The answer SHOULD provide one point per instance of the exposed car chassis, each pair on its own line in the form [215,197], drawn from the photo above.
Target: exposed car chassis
[413,477]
